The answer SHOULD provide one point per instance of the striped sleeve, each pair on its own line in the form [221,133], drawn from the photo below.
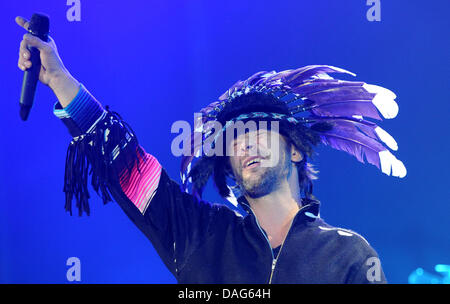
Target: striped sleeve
[82,113]
[85,117]
[140,185]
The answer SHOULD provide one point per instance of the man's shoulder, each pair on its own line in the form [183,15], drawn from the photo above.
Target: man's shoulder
[352,250]
[343,254]
[338,235]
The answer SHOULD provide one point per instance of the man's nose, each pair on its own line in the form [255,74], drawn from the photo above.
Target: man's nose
[248,148]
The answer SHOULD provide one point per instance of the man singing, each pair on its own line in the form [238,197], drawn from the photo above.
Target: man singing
[278,237]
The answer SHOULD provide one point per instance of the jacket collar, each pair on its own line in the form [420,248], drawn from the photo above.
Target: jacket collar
[309,211]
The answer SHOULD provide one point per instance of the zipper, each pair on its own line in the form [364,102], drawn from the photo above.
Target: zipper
[265,237]
[262,232]
[274,263]
[274,260]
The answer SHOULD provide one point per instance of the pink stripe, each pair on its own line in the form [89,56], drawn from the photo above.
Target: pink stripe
[149,192]
[151,176]
[145,175]
[143,193]
[145,189]
[138,186]
[148,187]
[134,176]
[135,179]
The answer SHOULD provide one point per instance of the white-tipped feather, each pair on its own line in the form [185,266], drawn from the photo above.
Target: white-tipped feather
[386,138]
[383,100]
[371,88]
[389,161]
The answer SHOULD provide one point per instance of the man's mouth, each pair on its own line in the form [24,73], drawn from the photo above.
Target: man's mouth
[251,162]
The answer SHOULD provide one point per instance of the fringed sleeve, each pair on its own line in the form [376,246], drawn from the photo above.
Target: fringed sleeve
[105,147]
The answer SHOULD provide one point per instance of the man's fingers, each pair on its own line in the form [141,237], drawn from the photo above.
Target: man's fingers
[34,41]
[24,55]
[22,22]
[23,64]
[28,40]
[23,51]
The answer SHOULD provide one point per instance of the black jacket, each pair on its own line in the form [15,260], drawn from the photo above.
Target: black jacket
[202,242]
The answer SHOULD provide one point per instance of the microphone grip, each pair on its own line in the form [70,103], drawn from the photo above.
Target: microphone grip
[30,80]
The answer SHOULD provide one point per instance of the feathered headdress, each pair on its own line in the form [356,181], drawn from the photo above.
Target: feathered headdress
[334,111]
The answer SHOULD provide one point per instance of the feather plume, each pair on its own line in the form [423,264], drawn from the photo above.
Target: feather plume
[345,136]
[368,128]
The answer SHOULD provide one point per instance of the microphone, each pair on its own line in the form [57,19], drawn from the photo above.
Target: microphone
[39,27]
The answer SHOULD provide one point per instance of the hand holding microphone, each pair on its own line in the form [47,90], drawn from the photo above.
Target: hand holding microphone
[52,72]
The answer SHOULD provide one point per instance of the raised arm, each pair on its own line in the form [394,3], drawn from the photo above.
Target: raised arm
[112,149]
[105,147]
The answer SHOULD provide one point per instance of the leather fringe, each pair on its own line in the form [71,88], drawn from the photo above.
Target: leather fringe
[96,154]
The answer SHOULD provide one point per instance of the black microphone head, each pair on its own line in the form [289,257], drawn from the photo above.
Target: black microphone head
[39,25]
[24,112]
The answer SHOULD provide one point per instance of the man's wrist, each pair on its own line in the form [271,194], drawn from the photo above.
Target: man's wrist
[65,87]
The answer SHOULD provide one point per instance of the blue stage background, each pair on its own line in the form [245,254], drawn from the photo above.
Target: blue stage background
[156,62]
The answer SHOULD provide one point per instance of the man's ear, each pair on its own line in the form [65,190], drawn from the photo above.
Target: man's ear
[296,155]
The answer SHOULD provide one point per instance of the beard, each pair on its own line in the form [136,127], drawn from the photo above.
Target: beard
[265,180]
